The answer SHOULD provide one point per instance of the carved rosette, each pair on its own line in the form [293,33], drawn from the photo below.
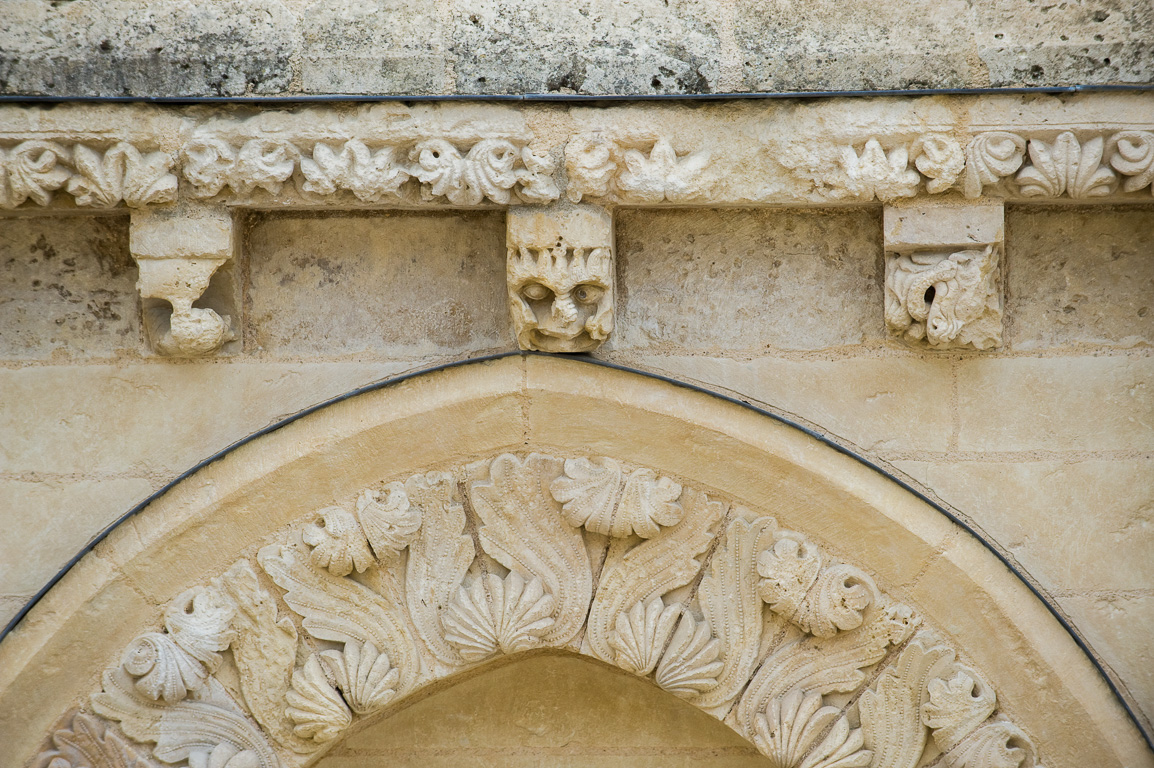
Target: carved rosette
[752,623]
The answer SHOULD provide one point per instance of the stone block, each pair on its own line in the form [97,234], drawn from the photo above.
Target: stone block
[1119,627]
[1080,525]
[1056,404]
[402,285]
[595,47]
[68,289]
[748,280]
[46,522]
[936,226]
[1082,276]
[146,419]
[880,405]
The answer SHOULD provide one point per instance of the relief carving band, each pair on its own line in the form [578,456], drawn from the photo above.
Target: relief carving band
[802,654]
[561,277]
[943,281]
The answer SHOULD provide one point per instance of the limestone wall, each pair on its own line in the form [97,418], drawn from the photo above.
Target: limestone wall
[1045,444]
[285,47]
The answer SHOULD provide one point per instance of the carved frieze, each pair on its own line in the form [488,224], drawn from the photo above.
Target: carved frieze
[561,278]
[719,606]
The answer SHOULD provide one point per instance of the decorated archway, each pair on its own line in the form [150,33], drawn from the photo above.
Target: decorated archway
[320,577]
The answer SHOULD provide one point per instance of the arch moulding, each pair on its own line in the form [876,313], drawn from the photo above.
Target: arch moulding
[319,577]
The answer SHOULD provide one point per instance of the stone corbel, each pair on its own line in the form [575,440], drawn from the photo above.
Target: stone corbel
[943,284]
[561,276]
[177,251]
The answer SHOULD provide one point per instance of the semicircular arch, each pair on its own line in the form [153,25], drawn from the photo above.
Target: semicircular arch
[321,574]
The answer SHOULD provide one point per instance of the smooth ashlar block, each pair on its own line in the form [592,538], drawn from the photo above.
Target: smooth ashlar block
[178,250]
[943,283]
[561,277]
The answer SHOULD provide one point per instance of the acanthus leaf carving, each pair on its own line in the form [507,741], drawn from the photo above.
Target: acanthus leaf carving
[876,173]
[1067,166]
[732,605]
[264,650]
[991,157]
[32,169]
[690,665]
[825,665]
[650,569]
[121,173]
[1132,156]
[594,494]
[391,523]
[486,172]
[524,531]
[339,609]
[998,744]
[796,731]
[821,601]
[364,674]
[200,622]
[88,742]
[957,705]
[369,175]
[662,175]
[891,708]
[492,615]
[338,542]
[318,711]
[161,669]
[211,164]
[190,729]
[536,178]
[438,559]
[641,633]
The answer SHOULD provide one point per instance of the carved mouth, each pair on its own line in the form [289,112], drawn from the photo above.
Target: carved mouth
[562,335]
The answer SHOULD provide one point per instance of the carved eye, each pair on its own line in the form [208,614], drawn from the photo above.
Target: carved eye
[588,294]
[535,292]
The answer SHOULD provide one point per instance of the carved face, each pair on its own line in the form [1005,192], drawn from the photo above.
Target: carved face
[561,297]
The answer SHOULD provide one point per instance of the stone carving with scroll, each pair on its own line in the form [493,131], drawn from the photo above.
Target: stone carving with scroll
[561,281]
[754,624]
[943,284]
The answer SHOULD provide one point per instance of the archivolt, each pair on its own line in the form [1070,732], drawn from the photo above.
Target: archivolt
[318,577]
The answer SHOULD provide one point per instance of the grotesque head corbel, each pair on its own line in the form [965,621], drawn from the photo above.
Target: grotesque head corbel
[560,277]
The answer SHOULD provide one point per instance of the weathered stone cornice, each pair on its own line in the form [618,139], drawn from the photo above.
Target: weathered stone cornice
[1087,148]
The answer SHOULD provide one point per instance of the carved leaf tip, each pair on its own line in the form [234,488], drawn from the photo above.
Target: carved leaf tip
[491,615]
[390,522]
[162,670]
[338,543]
[88,742]
[316,709]
[796,731]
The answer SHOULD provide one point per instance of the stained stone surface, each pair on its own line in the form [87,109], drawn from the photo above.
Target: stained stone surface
[67,290]
[265,47]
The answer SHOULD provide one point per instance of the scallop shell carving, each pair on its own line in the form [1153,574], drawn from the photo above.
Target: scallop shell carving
[316,710]
[592,495]
[692,662]
[796,731]
[389,523]
[162,670]
[364,675]
[491,615]
[641,634]
[338,543]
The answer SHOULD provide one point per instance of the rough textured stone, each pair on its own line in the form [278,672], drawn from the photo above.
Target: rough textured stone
[748,280]
[394,285]
[1077,277]
[1056,404]
[643,46]
[67,290]
[1058,516]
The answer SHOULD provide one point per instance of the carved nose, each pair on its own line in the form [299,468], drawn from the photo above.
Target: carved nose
[564,310]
